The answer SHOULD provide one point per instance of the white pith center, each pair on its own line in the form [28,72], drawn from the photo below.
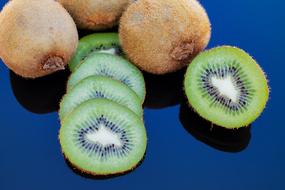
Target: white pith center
[109,51]
[105,137]
[226,87]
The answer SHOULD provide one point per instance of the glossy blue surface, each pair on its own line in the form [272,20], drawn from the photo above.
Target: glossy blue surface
[177,157]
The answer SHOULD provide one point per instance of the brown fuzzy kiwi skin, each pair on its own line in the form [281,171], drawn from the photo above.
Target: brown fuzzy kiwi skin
[95,14]
[37,38]
[163,36]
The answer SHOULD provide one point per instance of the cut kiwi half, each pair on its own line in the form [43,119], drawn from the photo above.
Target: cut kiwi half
[227,87]
[101,137]
[111,66]
[99,42]
[100,87]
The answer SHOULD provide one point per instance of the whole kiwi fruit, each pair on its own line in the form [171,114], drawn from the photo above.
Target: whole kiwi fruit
[95,14]
[37,38]
[162,36]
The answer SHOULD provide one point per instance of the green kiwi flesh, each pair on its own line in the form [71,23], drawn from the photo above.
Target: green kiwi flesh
[111,66]
[100,87]
[98,42]
[227,87]
[102,138]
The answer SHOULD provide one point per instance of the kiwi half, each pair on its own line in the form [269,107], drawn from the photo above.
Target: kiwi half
[227,87]
[101,137]
[111,66]
[100,87]
[37,37]
[95,14]
[99,42]
[162,36]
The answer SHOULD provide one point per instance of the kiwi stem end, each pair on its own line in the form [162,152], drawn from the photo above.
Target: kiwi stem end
[54,63]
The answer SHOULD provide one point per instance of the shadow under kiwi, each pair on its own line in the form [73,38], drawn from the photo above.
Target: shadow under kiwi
[41,95]
[99,177]
[164,90]
[227,140]
[83,33]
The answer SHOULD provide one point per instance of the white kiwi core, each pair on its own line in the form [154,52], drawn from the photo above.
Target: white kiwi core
[226,87]
[111,51]
[105,137]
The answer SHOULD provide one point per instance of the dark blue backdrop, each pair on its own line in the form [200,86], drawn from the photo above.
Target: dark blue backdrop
[30,156]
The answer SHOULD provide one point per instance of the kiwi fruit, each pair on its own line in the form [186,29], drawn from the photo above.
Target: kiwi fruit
[220,138]
[95,14]
[227,87]
[99,42]
[37,37]
[111,66]
[100,87]
[102,138]
[162,36]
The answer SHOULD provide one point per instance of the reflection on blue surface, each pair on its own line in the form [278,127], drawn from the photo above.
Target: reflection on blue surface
[30,151]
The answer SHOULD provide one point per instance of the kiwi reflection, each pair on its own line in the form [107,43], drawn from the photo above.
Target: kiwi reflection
[40,95]
[217,137]
[164,90]
[89,176]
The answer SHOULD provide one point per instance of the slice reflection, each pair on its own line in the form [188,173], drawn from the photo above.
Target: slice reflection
[214,136]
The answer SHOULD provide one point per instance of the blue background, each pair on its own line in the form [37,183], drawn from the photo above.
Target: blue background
[30,156]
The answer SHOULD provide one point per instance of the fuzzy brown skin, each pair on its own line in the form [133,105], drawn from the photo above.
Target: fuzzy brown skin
[163,36]
[95,14]
[37,38]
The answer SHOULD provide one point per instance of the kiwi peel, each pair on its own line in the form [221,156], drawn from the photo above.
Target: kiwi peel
[95,14]
[165,43]
[32,42]
[98,42]
[100,87]
[111,66]
[226,86]
[101,137]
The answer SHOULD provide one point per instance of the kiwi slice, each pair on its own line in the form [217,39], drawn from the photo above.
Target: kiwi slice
[100,87]
[111,66]
[100,42]
[101,137]
[227,87]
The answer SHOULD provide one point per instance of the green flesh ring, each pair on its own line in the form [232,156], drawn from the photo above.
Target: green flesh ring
[100,87]
[111,66]
[101,137]
[227,87]
[99,42]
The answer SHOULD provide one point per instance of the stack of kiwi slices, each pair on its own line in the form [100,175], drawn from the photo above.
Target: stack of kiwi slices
[102,130]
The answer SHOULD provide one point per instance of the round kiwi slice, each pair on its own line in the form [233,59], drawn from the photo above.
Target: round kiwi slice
[227,87]
[162,36]
[111,66]
[101,137]
[99,42]
[100,87]
[37,37]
